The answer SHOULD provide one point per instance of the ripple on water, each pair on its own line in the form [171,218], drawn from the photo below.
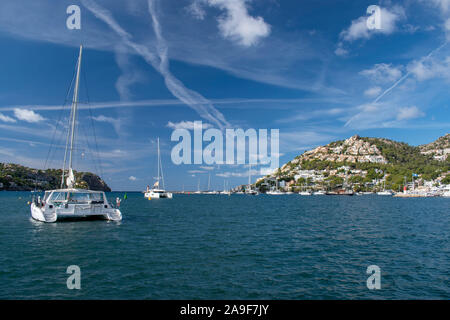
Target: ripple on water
[214,247]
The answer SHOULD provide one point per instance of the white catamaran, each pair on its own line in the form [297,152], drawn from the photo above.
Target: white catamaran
[70,202]
[156,192]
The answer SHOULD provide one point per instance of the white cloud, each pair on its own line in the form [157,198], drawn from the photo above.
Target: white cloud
[230,174]
[235,24]
[358,29]
[6,118]
[129,74]
[116,123]
[407,113]
[207,168]
[431,68]
[132,178]
[27,115]
[188,125]
[196,10]
[373,92]
[447,28]
[340,51]
[382,115]
[196,171]
[444,5]
[383,73]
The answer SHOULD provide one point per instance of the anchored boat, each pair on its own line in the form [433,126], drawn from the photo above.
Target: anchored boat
[156,192]
[71,202]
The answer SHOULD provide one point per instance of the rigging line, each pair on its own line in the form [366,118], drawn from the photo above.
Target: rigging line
[56,127]
[98,158]
[90,151]
[59,119]
[162,173]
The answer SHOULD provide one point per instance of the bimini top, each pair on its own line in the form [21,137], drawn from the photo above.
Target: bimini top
[74,191]
[75,196]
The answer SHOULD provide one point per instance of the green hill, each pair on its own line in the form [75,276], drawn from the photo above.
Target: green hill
[15,177]
[362,162]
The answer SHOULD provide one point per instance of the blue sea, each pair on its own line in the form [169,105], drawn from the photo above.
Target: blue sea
[237,247]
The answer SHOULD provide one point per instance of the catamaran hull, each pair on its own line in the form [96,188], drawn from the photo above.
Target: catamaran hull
[37,213]
[156,195]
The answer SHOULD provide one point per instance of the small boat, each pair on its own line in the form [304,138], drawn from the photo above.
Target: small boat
[385,192]
[209,191]
[156,192]
[71,202]
[446,194]
[305,193]
[320,193]
[198,188]
[225,191]
[342,192]
[275,192]
[249,191]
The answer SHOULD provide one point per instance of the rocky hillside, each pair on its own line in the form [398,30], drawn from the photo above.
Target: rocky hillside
[15,177]
[363,163]
[351,150]
[439,149]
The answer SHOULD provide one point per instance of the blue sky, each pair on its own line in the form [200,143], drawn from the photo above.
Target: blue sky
[309,68]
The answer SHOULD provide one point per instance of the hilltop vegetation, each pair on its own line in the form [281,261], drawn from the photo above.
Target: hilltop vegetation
[365,164]
[15,177]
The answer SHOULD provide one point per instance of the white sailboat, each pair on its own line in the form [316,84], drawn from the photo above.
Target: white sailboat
[249,190]
[305,192]
[225,191]
[275,192]
[198,188]
[209,191]
[156,192]
[385,192]
[71,202]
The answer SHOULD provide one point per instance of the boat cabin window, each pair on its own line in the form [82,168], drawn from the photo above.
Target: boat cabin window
[46,195]
[96,197]
[59,196]
[82,197]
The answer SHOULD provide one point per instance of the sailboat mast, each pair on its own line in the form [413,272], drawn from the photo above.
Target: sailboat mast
[160,172]
[74,109]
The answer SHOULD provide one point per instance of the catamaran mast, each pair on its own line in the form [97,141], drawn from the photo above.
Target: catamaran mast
[73,115]
[159,162]
[249,176]
[74,106]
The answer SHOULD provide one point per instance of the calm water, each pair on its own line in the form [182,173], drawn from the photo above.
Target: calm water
[238,247]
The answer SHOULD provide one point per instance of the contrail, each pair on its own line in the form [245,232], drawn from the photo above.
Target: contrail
[160,62]
[408,73]
[158,103]
[399,81]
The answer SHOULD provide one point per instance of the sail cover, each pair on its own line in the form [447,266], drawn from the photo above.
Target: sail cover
[70,181]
